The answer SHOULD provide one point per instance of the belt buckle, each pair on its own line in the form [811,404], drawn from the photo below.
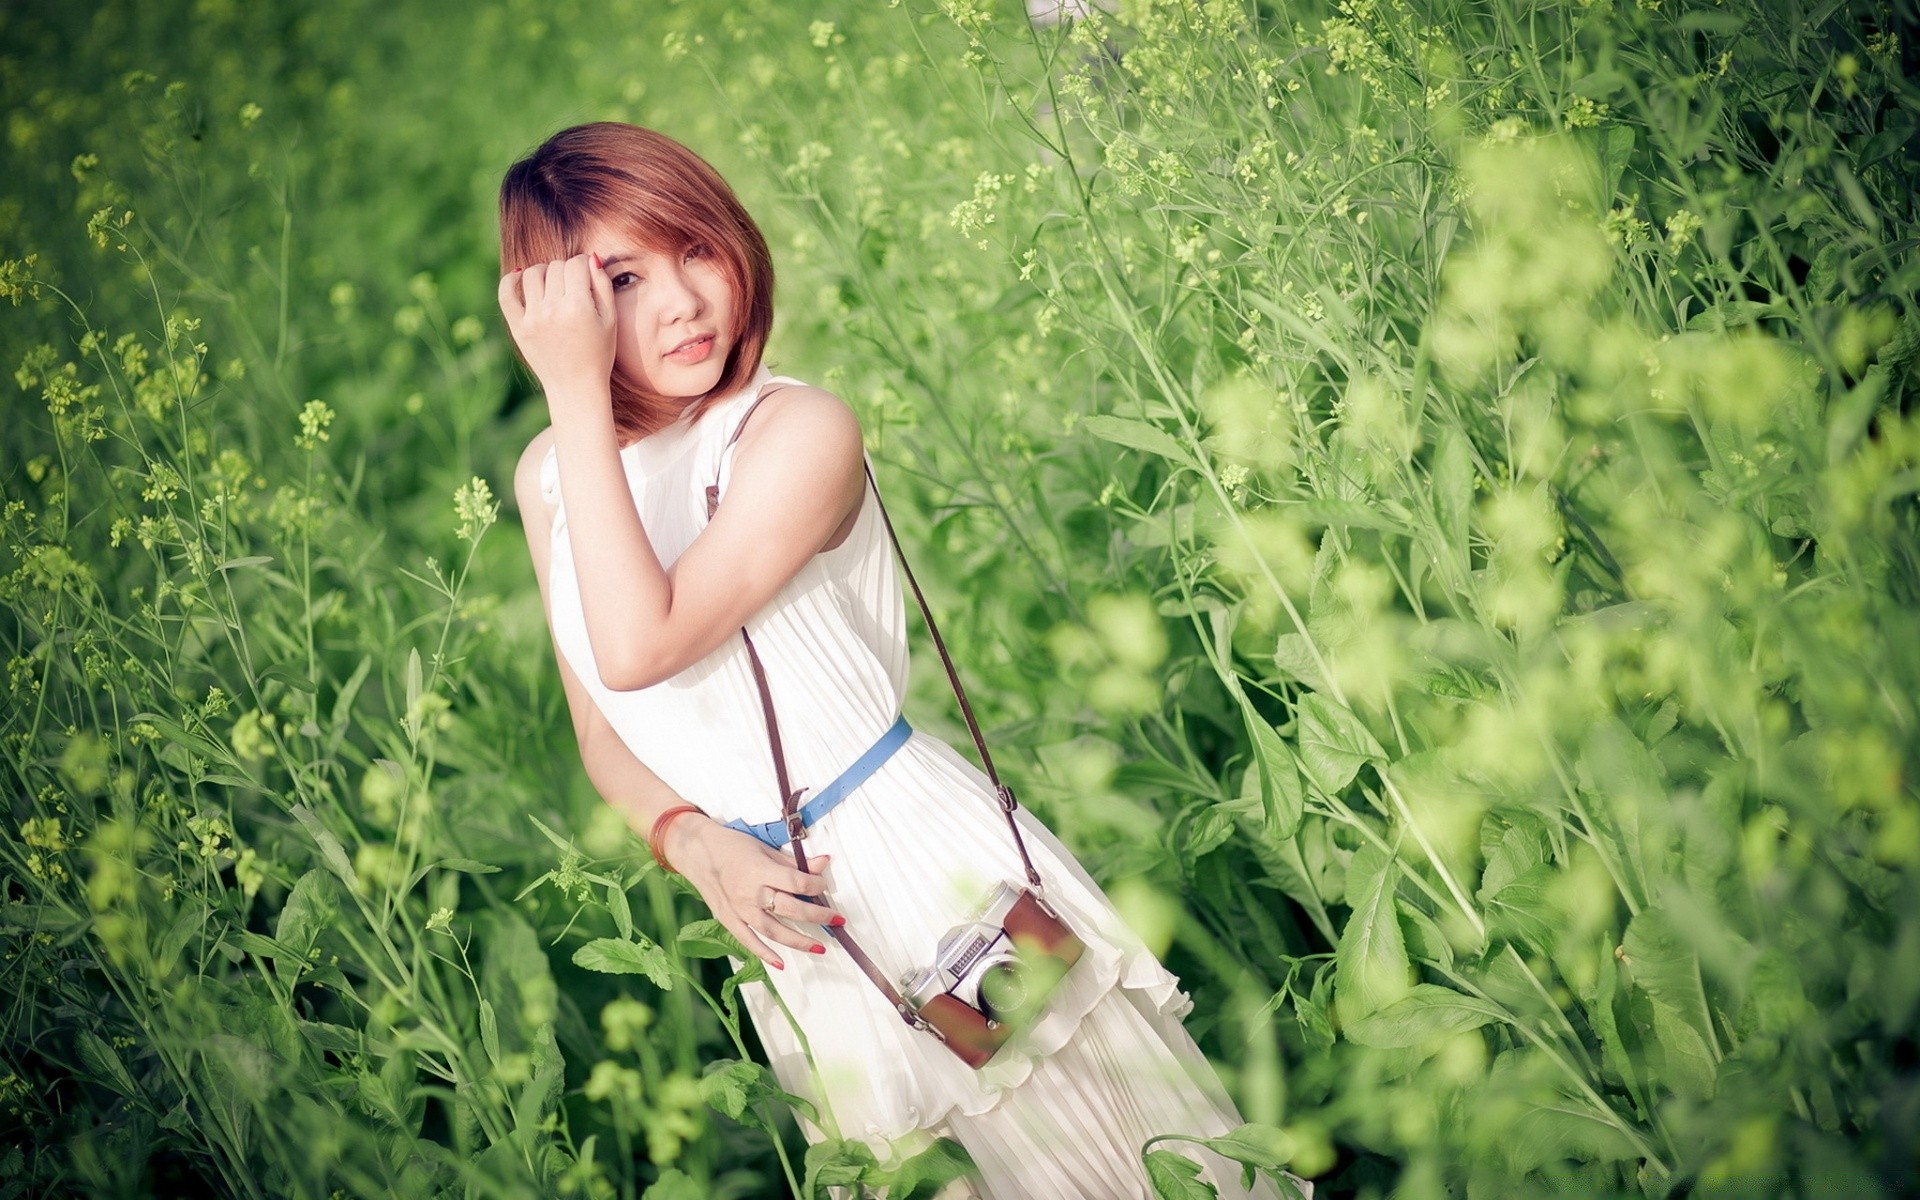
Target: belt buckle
[796,824]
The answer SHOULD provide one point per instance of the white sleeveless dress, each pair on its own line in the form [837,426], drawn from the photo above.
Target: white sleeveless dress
[913,848]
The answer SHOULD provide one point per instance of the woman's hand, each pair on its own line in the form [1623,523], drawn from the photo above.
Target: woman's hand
[735,872]
[561,315]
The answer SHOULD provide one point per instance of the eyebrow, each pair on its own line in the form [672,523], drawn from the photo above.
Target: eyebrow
[624,256]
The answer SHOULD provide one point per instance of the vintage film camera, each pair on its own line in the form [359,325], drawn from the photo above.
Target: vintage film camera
[993,973]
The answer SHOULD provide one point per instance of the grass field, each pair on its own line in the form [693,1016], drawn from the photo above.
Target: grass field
[1422,494]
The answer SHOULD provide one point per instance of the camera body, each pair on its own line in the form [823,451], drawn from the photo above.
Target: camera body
[993,972]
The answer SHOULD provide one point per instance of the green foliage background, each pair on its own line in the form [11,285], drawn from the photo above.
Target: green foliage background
[1423,493]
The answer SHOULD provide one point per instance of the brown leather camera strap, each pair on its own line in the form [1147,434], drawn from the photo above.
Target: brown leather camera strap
[790,797]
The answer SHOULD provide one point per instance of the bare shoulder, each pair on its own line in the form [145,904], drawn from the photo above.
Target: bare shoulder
[800,415]
[534,509]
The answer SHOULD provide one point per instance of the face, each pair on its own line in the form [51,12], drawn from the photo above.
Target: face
[673,314]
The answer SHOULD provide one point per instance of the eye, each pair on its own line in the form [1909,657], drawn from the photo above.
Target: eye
[624,275]
[697,250]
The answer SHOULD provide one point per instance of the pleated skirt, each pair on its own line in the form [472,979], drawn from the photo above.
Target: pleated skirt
[1065,1117]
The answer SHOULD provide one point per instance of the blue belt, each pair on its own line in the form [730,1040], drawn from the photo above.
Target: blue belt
[774,833]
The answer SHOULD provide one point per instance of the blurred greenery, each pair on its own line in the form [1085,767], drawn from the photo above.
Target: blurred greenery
[1423,493]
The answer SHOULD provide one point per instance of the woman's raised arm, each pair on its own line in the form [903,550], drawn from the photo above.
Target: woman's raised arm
[730,869]
[797,472]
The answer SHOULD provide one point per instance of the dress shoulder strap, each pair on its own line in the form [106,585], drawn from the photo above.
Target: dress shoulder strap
[766,389]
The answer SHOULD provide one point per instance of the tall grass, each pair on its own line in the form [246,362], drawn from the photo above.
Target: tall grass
[1423,492]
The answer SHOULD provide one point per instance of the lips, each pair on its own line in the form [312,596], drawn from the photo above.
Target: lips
[693,350]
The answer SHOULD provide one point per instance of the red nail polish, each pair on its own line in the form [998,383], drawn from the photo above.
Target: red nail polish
[837,920]
[779,966]
[816,948]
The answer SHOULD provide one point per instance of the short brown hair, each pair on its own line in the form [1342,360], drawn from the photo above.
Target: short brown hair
[666,197]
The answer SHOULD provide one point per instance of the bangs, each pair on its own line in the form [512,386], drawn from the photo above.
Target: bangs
[552,218]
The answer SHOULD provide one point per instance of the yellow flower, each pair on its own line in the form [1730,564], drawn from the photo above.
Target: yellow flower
[314,419]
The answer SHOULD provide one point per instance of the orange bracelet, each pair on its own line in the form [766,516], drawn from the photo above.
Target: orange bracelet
[660,828]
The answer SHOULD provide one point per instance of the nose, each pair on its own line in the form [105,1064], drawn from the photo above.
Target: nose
[679,301]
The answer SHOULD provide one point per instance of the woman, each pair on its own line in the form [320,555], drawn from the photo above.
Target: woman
[639,293]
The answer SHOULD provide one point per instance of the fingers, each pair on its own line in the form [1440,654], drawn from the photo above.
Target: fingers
[806,910]
[759,924]
[788,903]
[769,928]
[602,285]
[737,891]
[748,938]
[534,283]
[577,271]
[764,921]
[792,879]
[510,302]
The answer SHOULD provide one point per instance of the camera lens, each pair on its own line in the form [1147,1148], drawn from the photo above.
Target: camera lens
[1003,989]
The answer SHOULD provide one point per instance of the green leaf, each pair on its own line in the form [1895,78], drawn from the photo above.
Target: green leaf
[326,1038]
[332,853]
[613,956]
[1176,1177]
[1606,1022]
[1211,825]
[104,1061]
[621,910]
[234,781]
[1775,996]
[255,944]
[1668,971]
[343,702]
[1708,21]
[731,1086]
[1427,1013]
[191,919]
[1373,971]
[414,685]
[926,1174]
[1287,868]
[1265,1146]
[1513,844]
[1524,910]
[1293,656]
[1453,501]
[1282,800]
[540,1095]
[1333,743]
[471,866]
[675,1184]
[1616,150]
[752,970]
[489,1032]
[561,844]
[708,938]
[1137,435]
[310,907]
[177,734]
[836,1163]
[517,978]
[1622,780]
[288,676]
[1335,513]
[1541,1123]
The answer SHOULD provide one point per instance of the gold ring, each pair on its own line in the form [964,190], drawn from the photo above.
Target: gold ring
[772,897]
